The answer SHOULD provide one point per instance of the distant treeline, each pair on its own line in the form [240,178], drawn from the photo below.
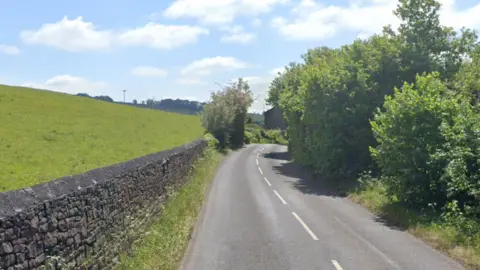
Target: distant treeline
[104,98]
[182,106]
[171,105]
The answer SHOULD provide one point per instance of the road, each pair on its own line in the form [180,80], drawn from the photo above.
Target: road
[261,213]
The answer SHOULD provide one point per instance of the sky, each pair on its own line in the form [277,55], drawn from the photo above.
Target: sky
[182,48]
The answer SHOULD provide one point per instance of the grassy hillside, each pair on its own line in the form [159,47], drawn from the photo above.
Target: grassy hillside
[46,135]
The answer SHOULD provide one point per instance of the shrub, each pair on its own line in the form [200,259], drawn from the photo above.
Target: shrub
[211,141]
[428,143]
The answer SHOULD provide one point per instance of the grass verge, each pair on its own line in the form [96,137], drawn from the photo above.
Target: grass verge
[428,227]
[46,135]
[164,244]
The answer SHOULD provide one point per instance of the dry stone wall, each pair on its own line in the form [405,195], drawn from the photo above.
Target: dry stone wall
[84,221]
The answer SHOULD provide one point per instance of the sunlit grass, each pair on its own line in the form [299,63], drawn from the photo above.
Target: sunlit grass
[46,135]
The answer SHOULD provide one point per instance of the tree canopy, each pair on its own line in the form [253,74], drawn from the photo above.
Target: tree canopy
[402,103]
[225,115]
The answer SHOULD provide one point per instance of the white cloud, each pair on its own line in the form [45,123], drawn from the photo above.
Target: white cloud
[78,35]
[71,85]
[6,49]
[219,11]
[190,81]
[314,21]
[460,18]
[70,35]
[161,36]
[148,71]
[236,34]
[311,20]
[256,22]
[207,66]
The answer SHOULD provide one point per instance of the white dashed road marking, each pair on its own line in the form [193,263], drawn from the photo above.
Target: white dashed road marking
[280,197]
[266,180]
[305,226]
[337,265]
[260,170]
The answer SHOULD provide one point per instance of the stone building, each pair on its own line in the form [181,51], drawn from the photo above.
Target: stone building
[274,119]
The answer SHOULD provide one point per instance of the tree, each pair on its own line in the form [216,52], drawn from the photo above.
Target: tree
[150,102]
[135,102]
[429,45]
[104,98]
[83,95]
[428,146]
[224,116]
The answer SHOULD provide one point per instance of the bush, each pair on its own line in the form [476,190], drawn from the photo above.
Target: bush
[276,136]
[253,131]
[211,141]
[256,134]
[428,144]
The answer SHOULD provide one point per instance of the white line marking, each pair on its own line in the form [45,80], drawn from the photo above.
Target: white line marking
[383,255]
[280,197]
[337,265]
[261,149]
[260,170]
[266,180]
[305,226]
[257,155]
[257,162]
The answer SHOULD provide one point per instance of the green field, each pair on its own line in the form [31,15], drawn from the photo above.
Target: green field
[45,135]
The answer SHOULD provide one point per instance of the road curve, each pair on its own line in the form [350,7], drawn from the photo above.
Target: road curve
[262,214]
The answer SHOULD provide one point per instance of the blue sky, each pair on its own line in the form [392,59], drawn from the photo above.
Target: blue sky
[182,48]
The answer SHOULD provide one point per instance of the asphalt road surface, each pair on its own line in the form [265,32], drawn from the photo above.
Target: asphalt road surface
[261,213]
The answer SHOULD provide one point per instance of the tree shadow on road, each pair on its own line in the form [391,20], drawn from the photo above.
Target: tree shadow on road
[301,178]
[278,155]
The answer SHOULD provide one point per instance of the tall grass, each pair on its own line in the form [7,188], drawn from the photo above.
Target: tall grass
[46,135]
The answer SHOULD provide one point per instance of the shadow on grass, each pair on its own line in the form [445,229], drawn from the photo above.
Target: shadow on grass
[397,216]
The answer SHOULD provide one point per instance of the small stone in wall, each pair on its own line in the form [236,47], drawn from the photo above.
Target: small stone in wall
[8,260]
[34,222]
[6,248]
[19,248]
[20,257]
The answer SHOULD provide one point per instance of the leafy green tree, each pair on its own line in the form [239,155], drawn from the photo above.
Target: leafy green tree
[428,146]
[224,116]
[329,98]
[467,80]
